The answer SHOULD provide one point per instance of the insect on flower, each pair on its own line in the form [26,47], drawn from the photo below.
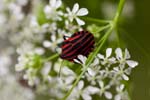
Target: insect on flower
[80,43]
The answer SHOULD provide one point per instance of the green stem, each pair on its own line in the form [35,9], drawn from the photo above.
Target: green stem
[119,11]
[102,41]
[90,19]
[51,57]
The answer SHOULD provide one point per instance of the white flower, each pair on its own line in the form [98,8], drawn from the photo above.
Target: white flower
[53,44]
[80,59]
[51,10]
[75,13]
[103,90]
[85,93]
[122,72]
[107,59]
[125,58]
[121,93]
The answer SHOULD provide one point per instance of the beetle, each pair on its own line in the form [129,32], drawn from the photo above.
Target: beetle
[80,43]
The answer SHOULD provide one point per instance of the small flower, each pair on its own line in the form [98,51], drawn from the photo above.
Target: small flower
[122,72]
[123,59]
[51,10]
[75,13]
[122,94]
[80,59]
[53,44]
[85,93]
[107,59]
[104,90]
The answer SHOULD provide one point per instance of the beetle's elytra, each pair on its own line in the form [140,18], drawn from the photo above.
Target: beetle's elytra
[79,43]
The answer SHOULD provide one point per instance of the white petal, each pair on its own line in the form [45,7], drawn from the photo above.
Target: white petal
[112,60]
[118,97]
[47,43]
[127,54]
[46,68]
[53,38]
[132,63]
[52,3]
[47,9]
[91,72]
[82,12]
[39,51]
[67,71]
[116,69]
[121,86]
[75,8]
[86,96]
[58,3]
[125,77]
[82,58]
[96,61]
[69,79]
[118,52]
[108,52]
[93,90]
[101,84]
[77,61]
[100,56]
[80,85]
[108,95]
[79,21]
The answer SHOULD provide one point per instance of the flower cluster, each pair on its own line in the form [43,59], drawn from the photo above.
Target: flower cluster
[116,69]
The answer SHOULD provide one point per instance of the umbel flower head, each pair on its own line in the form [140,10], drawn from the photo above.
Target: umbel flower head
[116,69]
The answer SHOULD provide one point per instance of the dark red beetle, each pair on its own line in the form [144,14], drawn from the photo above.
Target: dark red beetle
[79,43]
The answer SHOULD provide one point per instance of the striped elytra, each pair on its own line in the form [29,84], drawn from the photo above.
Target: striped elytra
[79,43]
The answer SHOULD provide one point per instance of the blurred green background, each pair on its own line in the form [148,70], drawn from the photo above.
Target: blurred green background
[135,32]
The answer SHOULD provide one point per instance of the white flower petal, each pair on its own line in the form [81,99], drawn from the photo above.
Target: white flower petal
[58,3]
[52,3]
[118,97]
[80,85]
[118,52]
[127,54]
[82,12]
[53,38]
[79,21]
[116,69]
[96,61]
[132,63]
[91,72]
[47,9]
[39,51]
[108,52]
[101,84]
[69,79]
[46,68]
[67,71]
[77,61]
[47,44]
[121,86]
[100,56]
[93,90]
[86,96]
[125,77]
[75,8]
[108,95]
[112,60]
[82,58]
